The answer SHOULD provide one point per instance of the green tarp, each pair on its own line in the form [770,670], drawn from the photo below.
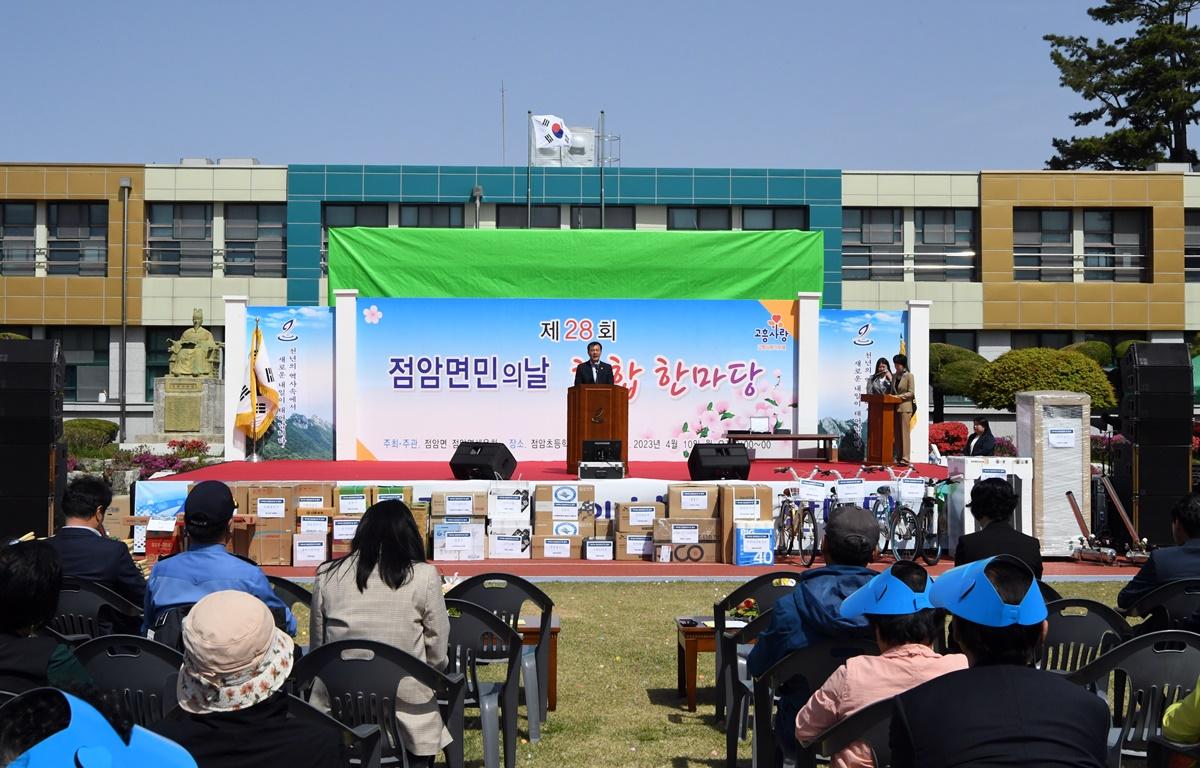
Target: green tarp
[570,263]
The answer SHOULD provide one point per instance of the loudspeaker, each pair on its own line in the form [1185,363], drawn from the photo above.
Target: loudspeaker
[1157,368]
[32,375]
[25,351]
[719,461]
[1149,479]
[1157,431]
[482,461]
[31,404]
[32,470]
[1159,405]
[24,514]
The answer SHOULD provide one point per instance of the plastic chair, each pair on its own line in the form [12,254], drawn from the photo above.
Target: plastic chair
[132,671]
[803,671]
[290,592]
[1161,750]
[1167,606]
[362,677]
[738,686]
[1148,674]
[871,725]
[90,609]
[477,634]
[765,590]
[1079,632]
[504,595]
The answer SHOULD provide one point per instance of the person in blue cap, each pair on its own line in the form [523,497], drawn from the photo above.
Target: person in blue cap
[897,608]
[810,614]
[1002,710]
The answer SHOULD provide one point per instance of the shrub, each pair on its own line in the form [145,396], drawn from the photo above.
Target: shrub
[10,336]
[1123,347]
[188,449]
[1004,447]
[1102,447]
[1097,350]
[1023,370]
[89,435]
[950,437]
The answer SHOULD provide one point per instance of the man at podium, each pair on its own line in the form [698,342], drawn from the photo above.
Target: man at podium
[594,370]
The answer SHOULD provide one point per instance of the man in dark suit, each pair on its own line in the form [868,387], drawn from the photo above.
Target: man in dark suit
[86,551]
[594,370]
[1001,710]
[1169,564]
[993,502]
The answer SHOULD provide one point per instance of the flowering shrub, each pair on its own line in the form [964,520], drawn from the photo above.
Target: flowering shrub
[188,448]
[72,464]
[1004,447]
[950,437]
[1102,447]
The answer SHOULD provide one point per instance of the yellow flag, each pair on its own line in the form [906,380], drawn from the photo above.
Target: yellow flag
[258,400]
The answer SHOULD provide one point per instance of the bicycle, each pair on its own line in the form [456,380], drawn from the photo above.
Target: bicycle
[885,506]
[796,522]
[921,532]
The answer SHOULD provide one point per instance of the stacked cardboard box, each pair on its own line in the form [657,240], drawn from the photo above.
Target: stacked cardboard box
[458,523]
[510,526]
[566,510]
[274,510]
[686,540]
[557,547]
[635,529]
[742,504]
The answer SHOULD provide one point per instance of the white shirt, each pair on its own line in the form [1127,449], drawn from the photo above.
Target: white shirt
[83,527]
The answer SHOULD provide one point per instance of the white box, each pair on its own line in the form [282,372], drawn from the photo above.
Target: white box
[599,549]
[309,549]
[959,521]
[458,541]
[503,546]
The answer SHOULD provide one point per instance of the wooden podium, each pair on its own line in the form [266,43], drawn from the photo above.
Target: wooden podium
[881,428]
[596,412]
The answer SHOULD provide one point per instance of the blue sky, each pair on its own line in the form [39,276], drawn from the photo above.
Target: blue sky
[874,84]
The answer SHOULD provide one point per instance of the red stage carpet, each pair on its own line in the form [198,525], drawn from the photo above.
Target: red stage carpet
[550,471]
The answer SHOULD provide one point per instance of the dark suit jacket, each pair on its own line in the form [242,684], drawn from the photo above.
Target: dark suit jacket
[1000,715]
[604,373]
[981,445]
[999,539]
[100,560]
[1165,565]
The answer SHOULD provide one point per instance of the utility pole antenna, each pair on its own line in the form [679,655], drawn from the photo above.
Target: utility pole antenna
[503,129]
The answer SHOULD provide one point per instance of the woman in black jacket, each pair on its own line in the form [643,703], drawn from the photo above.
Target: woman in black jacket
[981,442]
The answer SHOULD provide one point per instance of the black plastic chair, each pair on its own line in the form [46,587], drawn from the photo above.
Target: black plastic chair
[870,725]
[1148,673]
[803,672]
[290,592]
[6,696]
[90,609]
[765,590]
[1162,749]
[478,635]
[504,595]
[134,673]
[362,677]
[1167,606]
[738,686]
[1079,632]
[1049,593]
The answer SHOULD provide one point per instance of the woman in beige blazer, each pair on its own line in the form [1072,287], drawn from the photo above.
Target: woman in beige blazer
[905,387]
[385,591]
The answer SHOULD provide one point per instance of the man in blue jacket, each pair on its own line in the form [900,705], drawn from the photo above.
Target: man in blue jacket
[811,613]
[1167,564]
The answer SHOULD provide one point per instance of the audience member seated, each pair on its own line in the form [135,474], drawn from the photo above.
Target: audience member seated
[83,545]
[207,566]
[1001,711]
[993,503]
[385,591]
[1181,721]
[30,578]
[1167,564]
[47,728]
[810,614]
[896,606]
[231,689]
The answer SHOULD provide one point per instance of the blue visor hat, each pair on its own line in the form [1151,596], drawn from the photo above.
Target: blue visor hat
[886,595]
[89,741]
[967,592]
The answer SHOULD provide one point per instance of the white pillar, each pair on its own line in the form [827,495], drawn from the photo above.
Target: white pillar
[916,337]
[345,379]
[808,333]
[237,352]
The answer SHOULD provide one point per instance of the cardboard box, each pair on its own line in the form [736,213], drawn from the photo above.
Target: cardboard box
[686,553]
[458,504]
[314,521]
[599,549]
[638,516]
[742,504]
[420,513]
[584,528]
[507,546]
[351,499]
[691,500]
[309,550]
[753,543]
[557,547]
[458,541]
[114,517]
[341,532]
[546,498]
[273,507]
[271,548]
[509,501]
[677,530]
[394,492]
[635,546]
[314,496]
[604,528]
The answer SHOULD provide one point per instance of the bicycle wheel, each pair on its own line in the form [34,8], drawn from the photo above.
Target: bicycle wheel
[904,534]
[927,536]
[808,536]
[880,508]
[785,530]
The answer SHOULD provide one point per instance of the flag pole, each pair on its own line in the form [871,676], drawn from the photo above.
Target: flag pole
[529,169]
[254,457]
[600,152]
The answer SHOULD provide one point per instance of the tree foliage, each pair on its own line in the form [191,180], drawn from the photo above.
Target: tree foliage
[1144,87]
[949,364]
[1024,370]
[1123,347]
[1097,350]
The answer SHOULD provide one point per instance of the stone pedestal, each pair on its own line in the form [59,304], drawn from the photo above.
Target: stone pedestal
[188,407]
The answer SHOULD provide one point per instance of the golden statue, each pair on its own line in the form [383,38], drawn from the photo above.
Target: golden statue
[196,353]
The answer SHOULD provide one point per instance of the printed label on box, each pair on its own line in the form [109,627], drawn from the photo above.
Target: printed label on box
[685,533]
[693,499]
[756,542]
[565,494]
[639,545]
[506,545]
[352,503]
[641,515]
[160,524]
[308,552]
[457,541]
[745,509]
[460,505]
[568,510]
[343,530]
[599,550]
[314,524]
[310,502]
[566,528]
[851,489]
[270,507]
[507,505]
[812,490]
[987,473]
[556,548]
[912,489]
[392,496]
[456,520]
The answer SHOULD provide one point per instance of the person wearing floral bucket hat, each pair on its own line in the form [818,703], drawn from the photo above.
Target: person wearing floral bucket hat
[232,702]
[896,606]
[1001,710]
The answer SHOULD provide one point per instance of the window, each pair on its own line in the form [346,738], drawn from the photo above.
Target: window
[699,218]
[1113,338]
[1049,339]
[944,248]
[179,240]
[78,243]
[872,244]
[515,216]
[615,217]
[85,350]
[255,240]
[17,253]
[1042,245]
[964,339]
[795,217]
[1191,246]
[444,216]
[351,215]
[158,356]
[1114,245]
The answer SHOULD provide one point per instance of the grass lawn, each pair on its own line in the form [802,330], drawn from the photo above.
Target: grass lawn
[617,704]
